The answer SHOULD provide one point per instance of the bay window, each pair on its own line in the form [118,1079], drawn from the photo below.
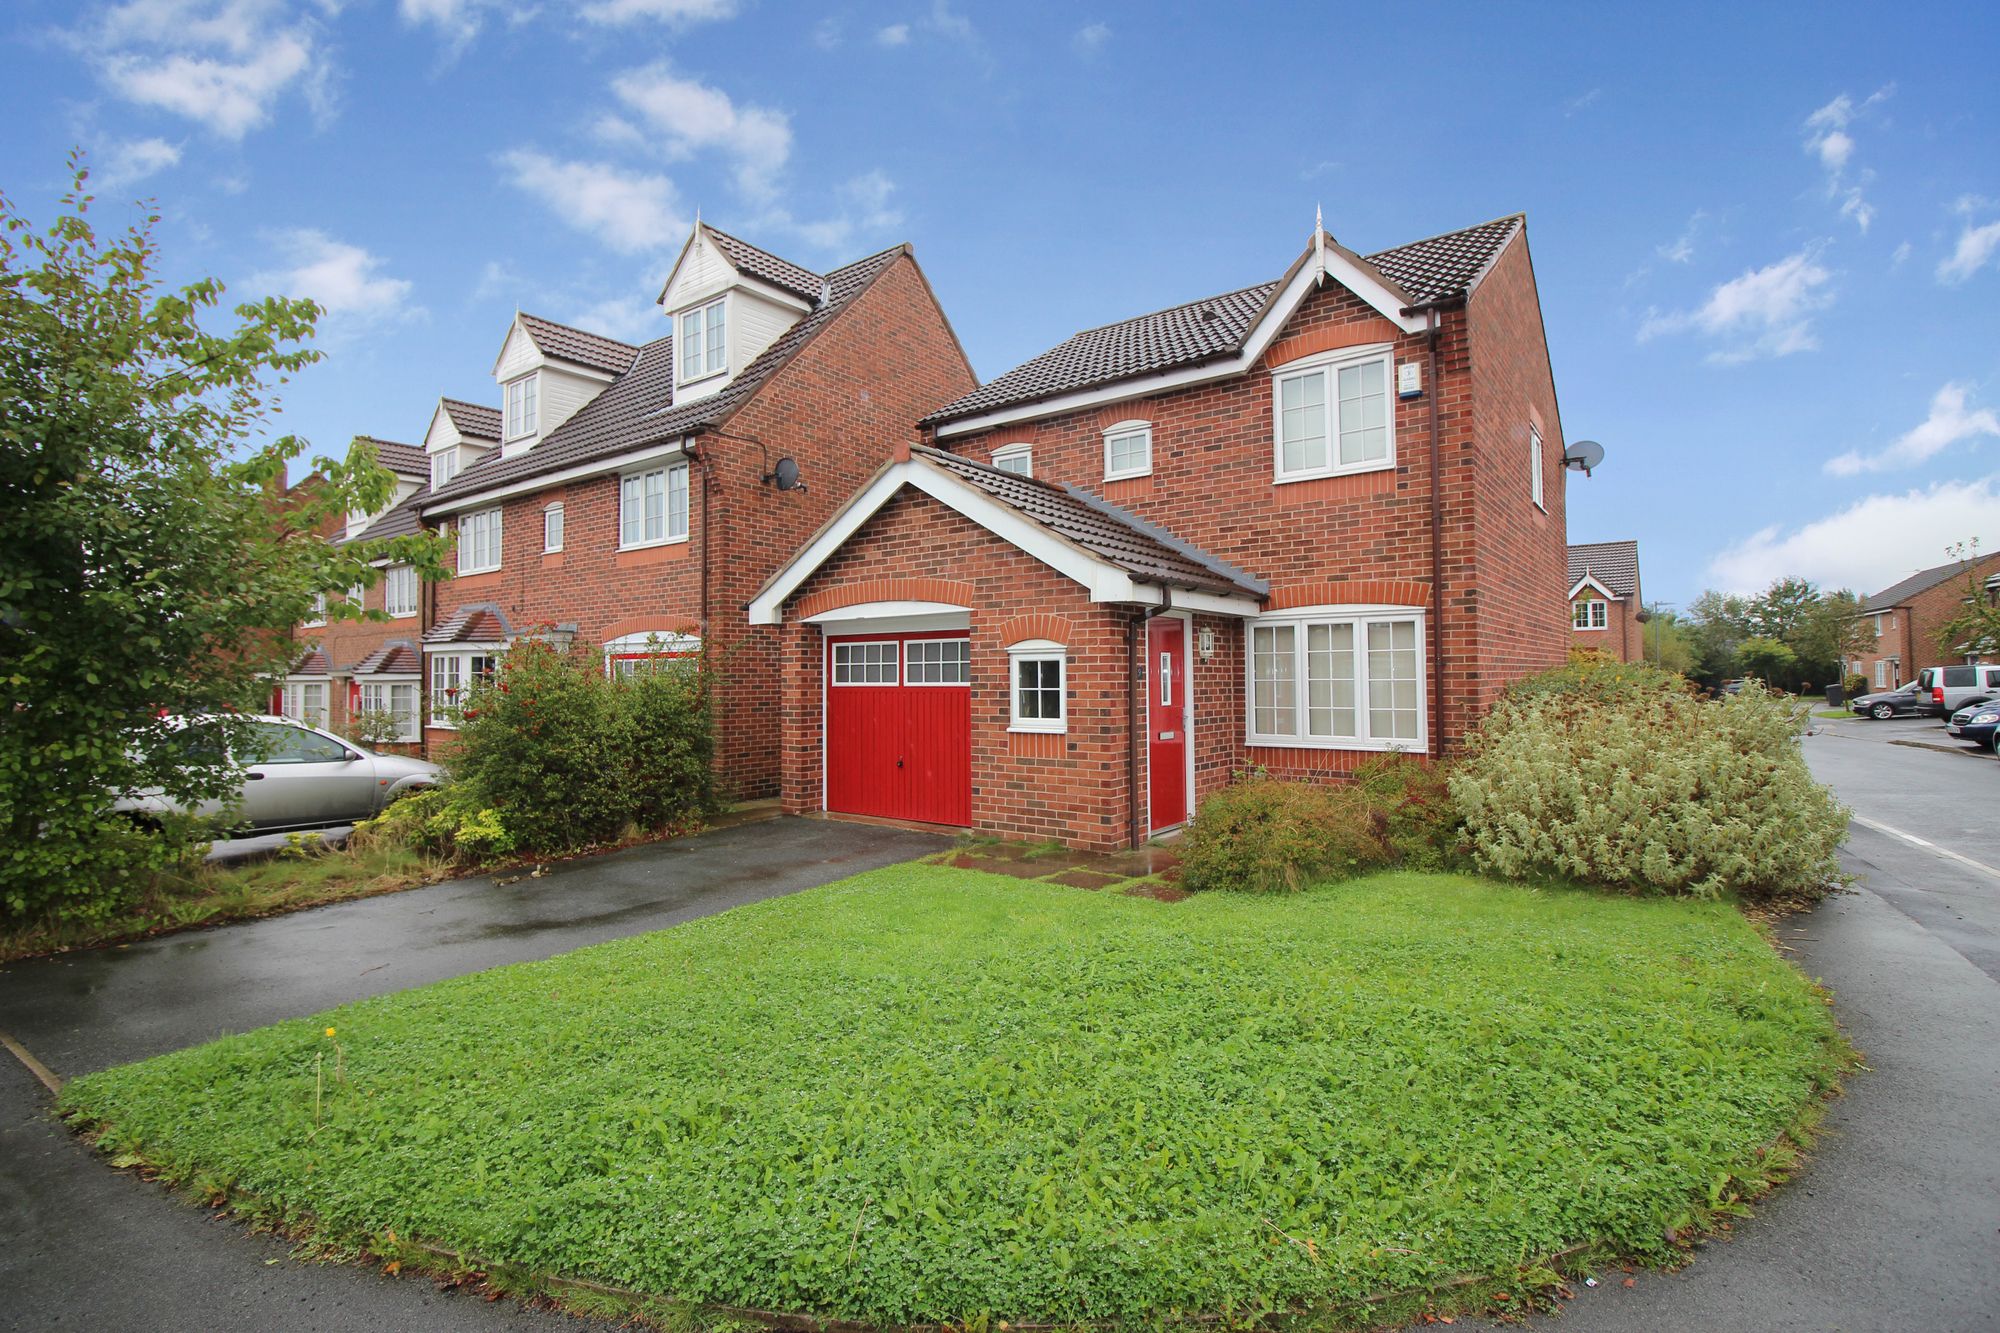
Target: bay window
[653,506]
[305,701]
[397,700]
[1338,678]
[702,345]
[452,674]
[1333,416]
[479,542]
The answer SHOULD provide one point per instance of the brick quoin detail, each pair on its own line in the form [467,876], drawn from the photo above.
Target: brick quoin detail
[1056,629]
[955,592]
[1351,592]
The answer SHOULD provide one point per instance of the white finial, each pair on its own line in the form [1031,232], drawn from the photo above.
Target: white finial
[1319,244]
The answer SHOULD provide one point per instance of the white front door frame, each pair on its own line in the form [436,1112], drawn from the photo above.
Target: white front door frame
[1187,717]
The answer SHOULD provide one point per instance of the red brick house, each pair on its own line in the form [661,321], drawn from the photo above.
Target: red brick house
[1604,605]
[1907,620]
[632,496]
[1288,527]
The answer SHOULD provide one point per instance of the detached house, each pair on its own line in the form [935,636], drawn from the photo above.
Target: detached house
[1906,623]
[638,495]
[1604,605]
[1287,527]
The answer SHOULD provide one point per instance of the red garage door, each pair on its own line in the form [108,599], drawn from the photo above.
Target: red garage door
[899,726]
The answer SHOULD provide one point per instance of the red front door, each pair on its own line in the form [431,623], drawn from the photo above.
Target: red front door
[1166,714]
[899,726]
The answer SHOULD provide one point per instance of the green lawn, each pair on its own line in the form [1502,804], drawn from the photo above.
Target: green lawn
[926,1093]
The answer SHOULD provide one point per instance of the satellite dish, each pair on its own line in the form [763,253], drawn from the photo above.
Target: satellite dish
[1583,455]
[786,475]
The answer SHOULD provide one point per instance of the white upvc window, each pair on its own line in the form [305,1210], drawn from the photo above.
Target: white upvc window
[479,542]
[444,467]
[552,527]
[1334,415]
[1128,450]
[1038,691]
[865,663]
[1535,468]
[305,701]
[399,591]
[317,615]
[523,413]
[653,506]
[1589,615]
[451,675]
[937,662]
[397,699]
[1016,458]
[649,651]
[703,347]
[1342,678]
[358,596]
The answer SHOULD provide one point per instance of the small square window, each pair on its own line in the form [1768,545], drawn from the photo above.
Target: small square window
[1128,450]
[1037,691]
[865,663]
[1018,459]
[938,662]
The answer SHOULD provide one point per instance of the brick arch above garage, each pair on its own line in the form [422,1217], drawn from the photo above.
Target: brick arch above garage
[954,592]
[1350,592]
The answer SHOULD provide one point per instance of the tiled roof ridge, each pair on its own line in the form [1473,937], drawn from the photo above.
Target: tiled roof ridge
[1517,217]
[1169,309]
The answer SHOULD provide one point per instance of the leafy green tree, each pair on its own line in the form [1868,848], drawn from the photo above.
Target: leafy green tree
[1717,624]
[1976,628]
[1668,642]
[1767,659]
[147,567]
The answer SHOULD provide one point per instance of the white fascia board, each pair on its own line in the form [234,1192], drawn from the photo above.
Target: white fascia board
[1220,604]
[476,646]
[1590,581]
[887,610]
[542,481]
[1262,334]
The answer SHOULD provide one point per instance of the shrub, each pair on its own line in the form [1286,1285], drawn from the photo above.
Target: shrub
[447,822]
[1265,836]
[1633,782]
[1412,801]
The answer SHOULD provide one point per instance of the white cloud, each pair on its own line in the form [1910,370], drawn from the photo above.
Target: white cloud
[220,63]
[628,211]
[1765,312]
[1976,245]
[896,34]
[1681,249]
[134,160]
[1090,38]
[670,11]
[1828,140]
[633,319]
[459,21]
[344,278]
[1582,101]
[827,33]
[1901,255]
[947,22]
[1869,544]
[1949,422]
[691,117]
[863,207]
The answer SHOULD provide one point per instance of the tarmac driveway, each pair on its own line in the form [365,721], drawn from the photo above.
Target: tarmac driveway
[84,1247]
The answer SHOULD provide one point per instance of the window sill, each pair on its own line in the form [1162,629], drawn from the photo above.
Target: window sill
[1031,729]
[483,569]
[1284,479]
[1127,476]
[680,383]
[648,546]
[1416,746]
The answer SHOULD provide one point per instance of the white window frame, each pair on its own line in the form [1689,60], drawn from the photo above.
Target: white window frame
[1007,455]
[552,527]
[671,475]
[293,705]
[378,695]
[1360,617]
[443,698]
[521,404]
[399,579]
[358,595]
[964,641]
[316,616]
[833,664]
[469,525]
[713,360]
[1037,650]
[1329,365]
[1535,491]
[444,466]
[623,654]
[1591,613]
[1125,430]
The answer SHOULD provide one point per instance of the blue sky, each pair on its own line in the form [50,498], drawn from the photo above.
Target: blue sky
[1768,243]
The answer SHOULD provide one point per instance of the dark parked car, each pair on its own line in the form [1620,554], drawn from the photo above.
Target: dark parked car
[1977,724]
[1912,700]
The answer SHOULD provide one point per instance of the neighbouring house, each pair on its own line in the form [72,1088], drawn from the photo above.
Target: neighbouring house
[1907,619]
[1285,528]
[1605,612]
[350,668]
[632,495]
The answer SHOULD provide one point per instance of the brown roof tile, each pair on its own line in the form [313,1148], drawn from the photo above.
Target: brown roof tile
[1614,564]
[475,622]
[397,657]
[405,460]
[475,421]
[578,346]
[762,264]
[403,520]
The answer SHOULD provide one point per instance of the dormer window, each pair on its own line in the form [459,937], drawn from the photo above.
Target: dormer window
[704,349]
[523,416]
[444,466]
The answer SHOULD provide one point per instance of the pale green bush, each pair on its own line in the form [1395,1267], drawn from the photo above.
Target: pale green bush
[1650,788]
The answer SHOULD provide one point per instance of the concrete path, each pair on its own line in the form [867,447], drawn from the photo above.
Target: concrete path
[84,1247]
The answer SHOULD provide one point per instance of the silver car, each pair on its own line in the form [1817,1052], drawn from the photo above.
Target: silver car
[295,776]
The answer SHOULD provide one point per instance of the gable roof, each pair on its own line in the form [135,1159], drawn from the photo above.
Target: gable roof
[400,520]
[578,346]
[1896,594]
[1614,565]
[767,267]
[475,622]
[637,409]
[405,460]
[474,421]
[312,662]
[1434,269]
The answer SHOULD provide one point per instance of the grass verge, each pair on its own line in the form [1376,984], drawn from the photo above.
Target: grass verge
[926,1094]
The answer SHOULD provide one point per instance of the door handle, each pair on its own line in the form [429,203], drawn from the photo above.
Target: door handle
[899,763]
[253,777]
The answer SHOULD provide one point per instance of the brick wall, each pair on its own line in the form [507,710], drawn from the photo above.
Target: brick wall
[1911,630]
[1623,636]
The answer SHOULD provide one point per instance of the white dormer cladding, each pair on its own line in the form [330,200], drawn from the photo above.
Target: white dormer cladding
[560,389]
[450,451]
[359,519]
[754,315]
